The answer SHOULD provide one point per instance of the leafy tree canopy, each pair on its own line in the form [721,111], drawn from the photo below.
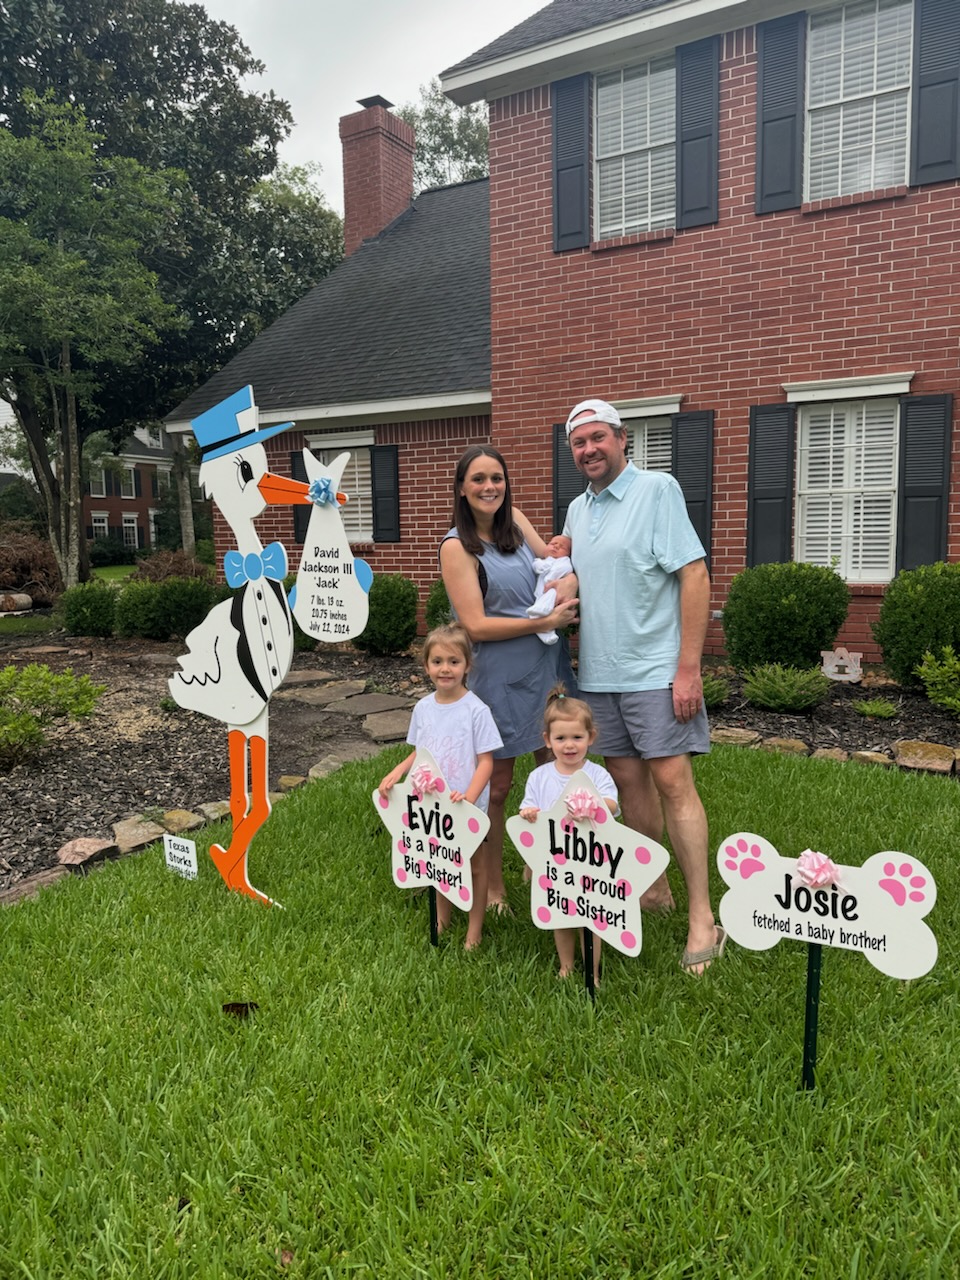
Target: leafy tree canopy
[451,140]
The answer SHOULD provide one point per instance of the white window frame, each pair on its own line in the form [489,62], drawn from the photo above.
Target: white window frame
[98,482]
[858,99]
[100,523]
[131,523]
[847,487]
[650,444]
[127,481]
[357,482]
[635,148]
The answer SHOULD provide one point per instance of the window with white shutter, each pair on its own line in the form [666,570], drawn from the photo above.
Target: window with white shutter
[649,444]
[357,484]
[847,488]
[859,59]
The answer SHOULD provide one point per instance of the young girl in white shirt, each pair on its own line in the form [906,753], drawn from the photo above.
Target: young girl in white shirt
[459,732]
[569,732]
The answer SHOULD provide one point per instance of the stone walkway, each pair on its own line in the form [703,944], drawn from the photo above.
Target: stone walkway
[382,718]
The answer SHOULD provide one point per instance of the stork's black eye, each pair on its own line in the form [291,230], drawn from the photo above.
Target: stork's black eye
[244,472]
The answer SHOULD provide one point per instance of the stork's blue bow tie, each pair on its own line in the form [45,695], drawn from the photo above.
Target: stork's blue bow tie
[271,563]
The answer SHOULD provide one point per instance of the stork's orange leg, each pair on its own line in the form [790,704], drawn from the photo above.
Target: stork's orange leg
[247,821]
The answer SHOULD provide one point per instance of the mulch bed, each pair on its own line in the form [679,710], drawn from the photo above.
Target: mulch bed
[135,755]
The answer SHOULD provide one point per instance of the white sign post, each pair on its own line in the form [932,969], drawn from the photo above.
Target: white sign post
[431,839]
[181,856]
[588,870]
[877,909]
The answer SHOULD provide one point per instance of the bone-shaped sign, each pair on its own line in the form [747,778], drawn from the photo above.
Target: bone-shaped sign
[877,908]
[589,871]
[431,839]
[331,602]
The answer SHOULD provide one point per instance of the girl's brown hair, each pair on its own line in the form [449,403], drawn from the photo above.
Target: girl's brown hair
[506,536]
[453,634]
[560,707]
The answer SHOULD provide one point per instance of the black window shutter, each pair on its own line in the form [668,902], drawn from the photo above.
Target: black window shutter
[568,482]
[698,132]
[89,532]
[137,483]
[781,48]
[140,536]
[925,423]
[935,141]
[154,485]
[385,479]
[692,465]
[571,163]
[301,513]
[107,483]
[770,483]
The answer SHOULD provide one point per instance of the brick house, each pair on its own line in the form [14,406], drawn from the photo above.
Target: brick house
[735,220]
[388,357]
[121,501]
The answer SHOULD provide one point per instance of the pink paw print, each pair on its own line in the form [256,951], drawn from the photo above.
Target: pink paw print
[905,885]
[745,866]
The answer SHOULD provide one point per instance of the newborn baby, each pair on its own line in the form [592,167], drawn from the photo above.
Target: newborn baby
[556,564]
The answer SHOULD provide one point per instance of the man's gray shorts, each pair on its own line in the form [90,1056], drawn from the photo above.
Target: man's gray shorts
[643,724]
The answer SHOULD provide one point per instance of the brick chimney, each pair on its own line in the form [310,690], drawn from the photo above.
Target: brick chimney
[377,170]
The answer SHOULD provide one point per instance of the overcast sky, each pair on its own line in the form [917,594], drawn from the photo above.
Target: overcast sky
[322,55]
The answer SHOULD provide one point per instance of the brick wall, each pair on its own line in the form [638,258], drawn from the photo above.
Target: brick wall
[723,315]
[377,172]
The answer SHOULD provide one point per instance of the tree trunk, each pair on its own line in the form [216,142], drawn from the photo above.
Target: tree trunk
[70,497]
[46,476]
[181,474]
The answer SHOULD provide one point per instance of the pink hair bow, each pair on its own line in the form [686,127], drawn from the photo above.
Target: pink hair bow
[816,869]
[581,804]
[423,781]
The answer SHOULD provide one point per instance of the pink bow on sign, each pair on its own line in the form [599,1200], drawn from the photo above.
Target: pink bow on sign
[580,804]
[422,781]
[816,869]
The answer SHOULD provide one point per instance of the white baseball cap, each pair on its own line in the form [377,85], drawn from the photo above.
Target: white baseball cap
[600,411]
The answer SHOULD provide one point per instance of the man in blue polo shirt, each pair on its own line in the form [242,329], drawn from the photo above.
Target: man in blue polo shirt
[644,604]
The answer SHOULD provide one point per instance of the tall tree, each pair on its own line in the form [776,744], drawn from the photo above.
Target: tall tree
[451,140]
[162,83]
[75,294]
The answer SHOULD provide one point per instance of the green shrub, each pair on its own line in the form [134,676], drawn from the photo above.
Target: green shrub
[170,564]
[104,551]
[393,615]
[715,691]
[776,687]
[876,708]
[783,613]
[941,678]
[205,552]
[161,610]
[90,609]
[438,611]
[33,696]
[920,614]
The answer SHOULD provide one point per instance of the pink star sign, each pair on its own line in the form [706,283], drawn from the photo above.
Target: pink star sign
[877,908]
[589,871]
[431,839]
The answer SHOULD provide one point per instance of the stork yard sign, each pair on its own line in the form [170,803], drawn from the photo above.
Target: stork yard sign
[877,909]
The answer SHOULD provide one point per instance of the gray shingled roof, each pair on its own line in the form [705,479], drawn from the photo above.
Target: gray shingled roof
[562,18]
[407,314]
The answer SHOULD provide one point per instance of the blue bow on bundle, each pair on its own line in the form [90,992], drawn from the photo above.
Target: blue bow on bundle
[321,491]
[271,563]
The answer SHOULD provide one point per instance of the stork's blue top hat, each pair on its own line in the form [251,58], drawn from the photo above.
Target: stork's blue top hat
[232,425]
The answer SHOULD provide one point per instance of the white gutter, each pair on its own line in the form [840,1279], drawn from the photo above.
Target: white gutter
[410,409]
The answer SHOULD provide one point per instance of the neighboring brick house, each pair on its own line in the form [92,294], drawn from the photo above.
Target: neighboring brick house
[388,357]
[733,218]
[737,221]
[120,501]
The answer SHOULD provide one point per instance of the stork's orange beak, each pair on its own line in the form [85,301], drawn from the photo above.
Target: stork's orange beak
[281,491]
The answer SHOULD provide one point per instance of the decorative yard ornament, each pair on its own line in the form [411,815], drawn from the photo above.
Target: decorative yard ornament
[241,652]
[877,909]
[431,839]
[839,664]
[589,871]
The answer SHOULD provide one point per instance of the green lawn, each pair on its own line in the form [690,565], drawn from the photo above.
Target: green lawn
[26,625]
[113,572]
[392,1110]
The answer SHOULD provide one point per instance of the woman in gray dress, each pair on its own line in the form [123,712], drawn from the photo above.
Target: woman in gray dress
[487,565]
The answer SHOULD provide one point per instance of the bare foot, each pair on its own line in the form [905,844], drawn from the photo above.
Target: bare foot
[565,973]
[471,944]
[499,906]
